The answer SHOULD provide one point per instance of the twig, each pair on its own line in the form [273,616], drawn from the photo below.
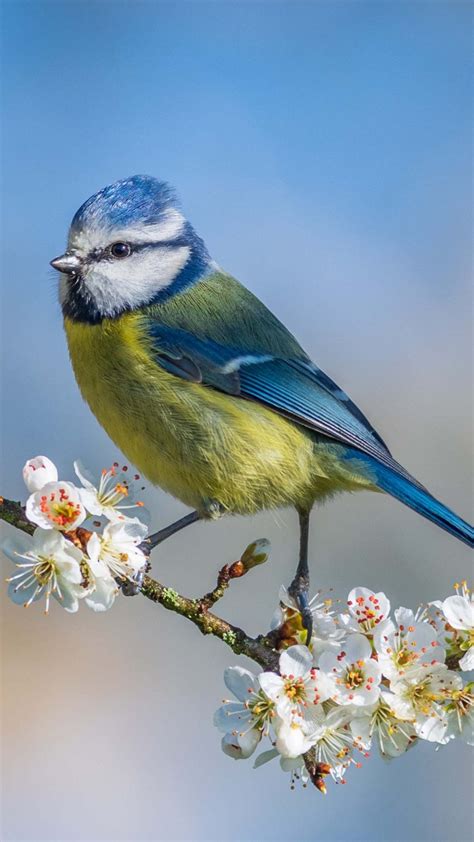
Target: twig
[260,649]
[14,513]
[223,580]
[195,610]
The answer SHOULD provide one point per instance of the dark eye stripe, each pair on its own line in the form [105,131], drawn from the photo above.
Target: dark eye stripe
[179,241]
[105,253]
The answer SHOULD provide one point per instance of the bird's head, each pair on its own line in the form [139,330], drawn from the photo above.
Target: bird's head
[129,245]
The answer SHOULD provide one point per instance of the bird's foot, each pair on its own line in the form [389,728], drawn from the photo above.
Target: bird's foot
[299,591]
[133,585]
[212,509]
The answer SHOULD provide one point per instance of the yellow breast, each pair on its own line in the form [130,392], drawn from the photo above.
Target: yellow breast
[193,441]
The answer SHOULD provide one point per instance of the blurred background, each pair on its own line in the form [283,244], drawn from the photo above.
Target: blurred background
[323,151]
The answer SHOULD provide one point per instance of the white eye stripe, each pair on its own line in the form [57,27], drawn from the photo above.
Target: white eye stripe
[169,228]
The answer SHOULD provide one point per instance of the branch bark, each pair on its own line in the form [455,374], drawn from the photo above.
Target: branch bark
[259,649]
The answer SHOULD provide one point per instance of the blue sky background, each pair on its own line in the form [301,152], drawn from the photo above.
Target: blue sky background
[323,151]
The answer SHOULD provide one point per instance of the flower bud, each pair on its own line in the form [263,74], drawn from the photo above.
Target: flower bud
[256,553]
[319,784]
[38,471]
[323,769]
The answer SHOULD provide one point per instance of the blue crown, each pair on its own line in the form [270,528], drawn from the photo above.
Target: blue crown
[138,199]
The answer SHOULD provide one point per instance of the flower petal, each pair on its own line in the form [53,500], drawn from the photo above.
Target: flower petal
[361,729]
[467,661]
[20,596]
[271,684]
[296,661]
[459,612]
[230,746]
[248,741]
[265,757]
[93,547]
[231,717]
[84,475]
[404,616]
[103,595]
[17,544]
[90,501]
[357,648]
[291,740]
[432,728]
[328,662]
[68,600]
[240,682]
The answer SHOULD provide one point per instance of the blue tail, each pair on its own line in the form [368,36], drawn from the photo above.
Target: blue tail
[416,497]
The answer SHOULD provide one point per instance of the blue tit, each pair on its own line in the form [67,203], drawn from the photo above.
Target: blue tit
[200,385]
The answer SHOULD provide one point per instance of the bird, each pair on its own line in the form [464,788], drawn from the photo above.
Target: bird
[201,386]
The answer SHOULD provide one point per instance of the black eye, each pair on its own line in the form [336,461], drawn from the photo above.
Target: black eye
[119,250]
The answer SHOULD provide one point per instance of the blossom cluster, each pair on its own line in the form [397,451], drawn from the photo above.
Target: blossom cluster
[366,679]
[72,555]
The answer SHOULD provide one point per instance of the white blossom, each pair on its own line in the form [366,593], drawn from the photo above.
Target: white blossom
[405,644]
[119,548]
[459,713]
[379,722]
[328,635]
[355,675]
[243,722]
[57,505]
[299,686]
[101,587]
[50,565]
[38,471]
[332,740]
[418,696]
[365,679]
[458,611]
[367,610]
[112,495]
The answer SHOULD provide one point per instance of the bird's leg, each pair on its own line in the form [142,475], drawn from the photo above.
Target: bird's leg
[300,585]
[158,537]
[131,587]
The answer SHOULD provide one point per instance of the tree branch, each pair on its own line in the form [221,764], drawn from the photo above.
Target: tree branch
[14,513]
[259,649]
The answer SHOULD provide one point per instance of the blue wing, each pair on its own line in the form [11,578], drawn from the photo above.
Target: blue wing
[297,389]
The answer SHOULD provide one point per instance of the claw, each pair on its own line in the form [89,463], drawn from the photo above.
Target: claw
[213,510]
[132,587]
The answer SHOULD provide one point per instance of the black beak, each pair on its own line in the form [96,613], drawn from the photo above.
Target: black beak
[70,264]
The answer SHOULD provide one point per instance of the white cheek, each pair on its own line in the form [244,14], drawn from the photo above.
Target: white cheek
[135,280]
